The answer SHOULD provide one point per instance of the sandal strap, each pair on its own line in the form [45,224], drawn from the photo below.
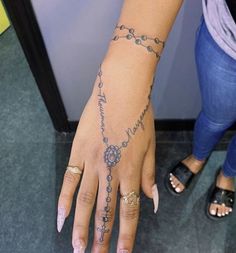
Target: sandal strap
[183,173]
[220,196]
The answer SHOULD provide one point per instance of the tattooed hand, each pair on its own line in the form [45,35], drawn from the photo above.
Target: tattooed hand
[114,146]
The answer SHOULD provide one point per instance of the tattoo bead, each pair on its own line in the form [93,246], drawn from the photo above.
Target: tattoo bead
[105,140]
[149,48]
[157,41]
[108,199]
[138,41]
[124,144]
[131,30]
[122,27]
[99,73]
[144,37]
[109,189]
[109,178]
[129,36]
[116,37]
[107,209]
[100,85]
[105,219]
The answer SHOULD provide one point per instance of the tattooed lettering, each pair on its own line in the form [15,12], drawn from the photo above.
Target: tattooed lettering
[112,154]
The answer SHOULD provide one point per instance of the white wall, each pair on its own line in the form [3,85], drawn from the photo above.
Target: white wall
[77,33]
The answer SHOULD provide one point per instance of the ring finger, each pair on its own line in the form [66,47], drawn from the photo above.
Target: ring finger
[129,213]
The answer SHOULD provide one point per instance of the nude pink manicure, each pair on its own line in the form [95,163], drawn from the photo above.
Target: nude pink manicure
[61,216]
[155,196]
[79,248]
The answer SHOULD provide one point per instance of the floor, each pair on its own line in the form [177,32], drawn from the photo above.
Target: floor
[33,158]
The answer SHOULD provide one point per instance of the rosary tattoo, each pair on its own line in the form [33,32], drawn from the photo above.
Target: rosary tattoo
[112,153]
[129,34]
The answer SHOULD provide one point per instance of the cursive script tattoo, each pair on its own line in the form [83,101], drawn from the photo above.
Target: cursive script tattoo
[112,154]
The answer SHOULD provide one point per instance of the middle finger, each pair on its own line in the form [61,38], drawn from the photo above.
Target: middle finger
[105,211]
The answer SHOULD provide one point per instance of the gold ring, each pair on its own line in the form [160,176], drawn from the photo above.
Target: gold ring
[74,169]
[131,198]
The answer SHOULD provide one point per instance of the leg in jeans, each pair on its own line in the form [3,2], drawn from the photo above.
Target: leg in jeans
[229,166]
[217,78]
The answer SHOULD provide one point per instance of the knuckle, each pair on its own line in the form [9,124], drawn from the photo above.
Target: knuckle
[99,246]
[65,197]
[70,178]
[86,198]
[127,237]
[79,226]
[95,151]
[101,215]
[129,213]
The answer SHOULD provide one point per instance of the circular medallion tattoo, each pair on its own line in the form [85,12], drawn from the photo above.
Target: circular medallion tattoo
[112,155]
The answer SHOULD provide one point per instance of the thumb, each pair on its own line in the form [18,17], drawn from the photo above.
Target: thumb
[148,175]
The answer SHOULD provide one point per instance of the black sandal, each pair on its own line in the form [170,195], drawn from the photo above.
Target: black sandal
[219,196]
[183,174]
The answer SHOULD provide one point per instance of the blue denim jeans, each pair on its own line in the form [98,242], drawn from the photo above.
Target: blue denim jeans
[217,79]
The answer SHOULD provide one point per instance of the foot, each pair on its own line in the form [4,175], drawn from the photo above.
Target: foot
[193,164]
[226,183]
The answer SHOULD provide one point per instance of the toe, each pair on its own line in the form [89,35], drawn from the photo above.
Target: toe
[213,209]
[178,189]
[219,210]
[223,208]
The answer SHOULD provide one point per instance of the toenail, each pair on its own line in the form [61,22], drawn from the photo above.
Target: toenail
[223,214]
[171,174]
[213,212]
[177,189]
[227,213]
[219,214]
[230,210]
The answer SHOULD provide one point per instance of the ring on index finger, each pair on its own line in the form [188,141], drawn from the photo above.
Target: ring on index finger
[74,169]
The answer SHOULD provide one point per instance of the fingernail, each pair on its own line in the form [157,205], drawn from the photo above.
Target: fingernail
[79,247]
[61,216]
[123,251]
[155,197]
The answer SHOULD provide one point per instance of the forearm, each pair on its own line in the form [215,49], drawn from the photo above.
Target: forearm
[153,18]
[128,68]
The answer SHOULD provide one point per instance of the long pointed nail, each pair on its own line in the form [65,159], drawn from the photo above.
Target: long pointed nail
[155,197]
[61,216]
[79,247]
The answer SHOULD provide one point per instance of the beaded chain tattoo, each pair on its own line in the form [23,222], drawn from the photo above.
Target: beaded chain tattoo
[112,154]
[142,40]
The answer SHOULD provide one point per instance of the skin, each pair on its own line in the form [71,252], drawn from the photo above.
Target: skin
[128,71]
[223,182]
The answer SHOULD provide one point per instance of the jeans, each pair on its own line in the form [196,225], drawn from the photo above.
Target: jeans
[217,78]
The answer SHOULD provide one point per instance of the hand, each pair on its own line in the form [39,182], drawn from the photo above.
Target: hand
[121,115]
